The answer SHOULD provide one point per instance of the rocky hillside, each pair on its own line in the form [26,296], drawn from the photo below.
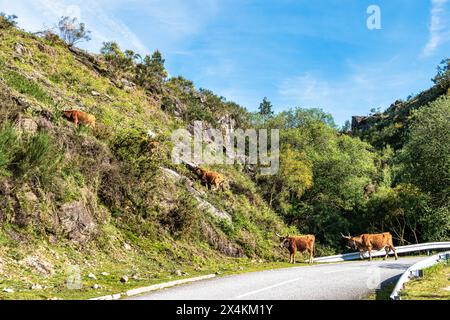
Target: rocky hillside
[391,126]
[97,204]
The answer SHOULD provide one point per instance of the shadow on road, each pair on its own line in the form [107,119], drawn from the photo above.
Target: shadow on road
[386,287]
[397,266]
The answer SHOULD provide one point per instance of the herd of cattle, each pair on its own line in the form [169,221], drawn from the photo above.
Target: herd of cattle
[363,243]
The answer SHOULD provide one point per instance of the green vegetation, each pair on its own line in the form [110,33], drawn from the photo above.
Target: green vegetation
[435,285]
[26,86]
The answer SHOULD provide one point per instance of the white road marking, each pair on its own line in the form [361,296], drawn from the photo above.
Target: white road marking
[267,288]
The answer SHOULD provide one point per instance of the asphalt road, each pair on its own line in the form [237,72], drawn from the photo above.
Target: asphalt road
[346,281]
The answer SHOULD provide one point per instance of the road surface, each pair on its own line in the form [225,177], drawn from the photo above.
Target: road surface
[347,281]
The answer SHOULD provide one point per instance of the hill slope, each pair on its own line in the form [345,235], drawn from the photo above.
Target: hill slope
[75,201]
[391,126]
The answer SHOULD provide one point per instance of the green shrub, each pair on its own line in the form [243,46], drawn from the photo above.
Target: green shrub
[8,140]
[196,112]
[38,156]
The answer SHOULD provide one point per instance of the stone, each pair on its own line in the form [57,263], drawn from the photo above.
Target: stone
[124,279]
[28,125]
[41,266]
[96,287]
[218,273]
[36,287]
[8,290]
[127,246]
[95,93]
[151,134]
[76,222]
[128,85]
[178,273]
[105,274]
[44,123]
[92,276]
[136,277]
[19,49]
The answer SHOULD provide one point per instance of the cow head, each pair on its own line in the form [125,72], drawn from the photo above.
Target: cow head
[351,242]
[67,114]
[285,241]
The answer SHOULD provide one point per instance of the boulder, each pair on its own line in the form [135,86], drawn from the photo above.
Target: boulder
[20,50]
[36,287]
[39,265]
[77,222]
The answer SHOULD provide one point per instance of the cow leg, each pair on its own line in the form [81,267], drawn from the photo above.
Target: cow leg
[361,254]
[311,256]
[370,254]
[395,252]
[387,253]
[75,119]
[293,256]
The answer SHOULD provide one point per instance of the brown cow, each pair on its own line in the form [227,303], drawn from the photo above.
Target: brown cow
[80,116]
[368,242]
[210,178]
[298,243]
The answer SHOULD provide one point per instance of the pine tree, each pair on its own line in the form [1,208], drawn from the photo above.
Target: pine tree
[265,108]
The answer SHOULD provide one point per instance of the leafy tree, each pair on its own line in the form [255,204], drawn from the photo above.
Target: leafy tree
[120,62]
[443,76]
[290,183]
[346,127]
[402,211]
[73,32]
[424,161]
[300,117]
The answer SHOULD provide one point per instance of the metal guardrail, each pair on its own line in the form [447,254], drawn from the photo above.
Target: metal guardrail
[415,271]
[403,249]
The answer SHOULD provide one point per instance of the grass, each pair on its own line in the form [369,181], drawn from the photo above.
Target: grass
[431,287]
[435,285]
[26,86]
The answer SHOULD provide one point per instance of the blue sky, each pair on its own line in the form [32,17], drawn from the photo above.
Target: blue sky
[295,52]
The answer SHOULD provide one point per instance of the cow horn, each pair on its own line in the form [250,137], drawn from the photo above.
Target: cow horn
[279,236]
[345,237]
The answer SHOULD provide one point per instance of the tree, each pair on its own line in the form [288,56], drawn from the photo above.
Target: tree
[265,108]
[151,73]
[120,62]
[7,21]
[443,76]
[424,161]
[73,32]
[346,127]
[301,117]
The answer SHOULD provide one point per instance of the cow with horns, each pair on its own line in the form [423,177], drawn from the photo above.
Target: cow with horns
[368,242]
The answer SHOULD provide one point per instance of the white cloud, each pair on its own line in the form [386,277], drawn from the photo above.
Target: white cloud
[439,28]
[35,15]
[364,87]
[163,23]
